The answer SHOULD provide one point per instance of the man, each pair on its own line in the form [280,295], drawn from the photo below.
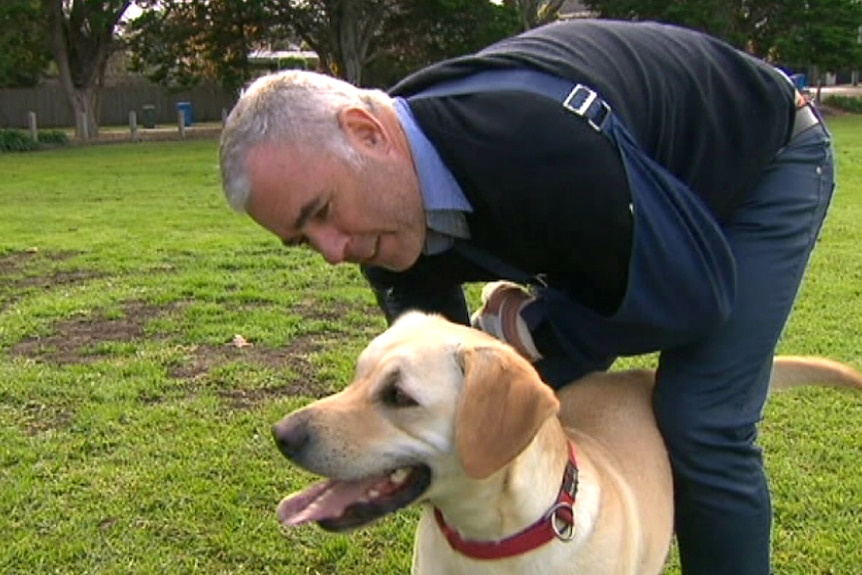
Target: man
[658,190]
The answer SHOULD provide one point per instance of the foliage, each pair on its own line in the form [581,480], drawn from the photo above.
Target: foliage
[20,141]
[845,103]
[24,51]
[822,33]
[534,13]
[16,141]
[53,138]
[728,19]
[346,34]
[180,43]
[426,31]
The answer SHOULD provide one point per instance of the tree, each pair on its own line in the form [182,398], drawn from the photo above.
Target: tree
[344,33]
[82,35]
[351,35]
[732,20]
[427,31]
[179,43]
[24,52]
[535,13]
[815,33]
[821,35]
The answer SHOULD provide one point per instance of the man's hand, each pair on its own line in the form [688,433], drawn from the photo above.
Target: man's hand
[500,316]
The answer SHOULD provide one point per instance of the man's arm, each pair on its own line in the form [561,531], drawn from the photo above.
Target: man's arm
[419,290]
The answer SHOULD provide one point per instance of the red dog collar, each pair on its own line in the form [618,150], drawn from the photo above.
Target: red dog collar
[542,531]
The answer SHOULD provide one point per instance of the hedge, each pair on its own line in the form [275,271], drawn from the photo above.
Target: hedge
[19,141]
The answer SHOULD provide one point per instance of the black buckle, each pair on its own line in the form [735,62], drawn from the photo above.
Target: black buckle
[585,102]
[570,480]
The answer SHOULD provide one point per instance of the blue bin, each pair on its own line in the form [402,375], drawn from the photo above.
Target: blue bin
[188,112]
[799,80]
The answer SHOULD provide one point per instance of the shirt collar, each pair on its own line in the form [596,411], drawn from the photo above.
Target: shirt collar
[445,203]
[440,190]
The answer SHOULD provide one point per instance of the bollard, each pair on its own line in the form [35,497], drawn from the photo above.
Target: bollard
[223,116]
[31,122]
[181,122]
[133,125]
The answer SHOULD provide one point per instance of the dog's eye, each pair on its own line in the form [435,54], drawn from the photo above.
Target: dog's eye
[394,396]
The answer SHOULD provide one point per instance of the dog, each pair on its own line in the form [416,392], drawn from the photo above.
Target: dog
[514,478]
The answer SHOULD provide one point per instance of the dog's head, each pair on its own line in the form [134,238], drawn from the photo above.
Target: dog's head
[432,405]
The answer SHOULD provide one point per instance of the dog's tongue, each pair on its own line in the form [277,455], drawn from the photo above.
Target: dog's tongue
[327,499]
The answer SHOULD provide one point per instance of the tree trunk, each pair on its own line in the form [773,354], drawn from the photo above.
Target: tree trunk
[60,51]
[85,102]
[348,41]
[81,45]
[354,28]
[345,23]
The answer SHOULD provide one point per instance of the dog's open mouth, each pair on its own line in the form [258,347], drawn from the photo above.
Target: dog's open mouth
[343,505]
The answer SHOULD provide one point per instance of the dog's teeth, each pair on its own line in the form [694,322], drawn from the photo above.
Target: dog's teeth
[373,493]
[399,475]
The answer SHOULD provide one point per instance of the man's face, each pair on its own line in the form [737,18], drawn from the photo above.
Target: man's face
[371,214]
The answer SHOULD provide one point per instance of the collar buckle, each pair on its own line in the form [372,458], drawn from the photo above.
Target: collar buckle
[562,519]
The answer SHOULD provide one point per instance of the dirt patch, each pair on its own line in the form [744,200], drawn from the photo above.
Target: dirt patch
[37,418]
[77,341]
[296,357]
[16,277]
[14,262]
[71,338]
[54,279]
[250,398]
[11,263]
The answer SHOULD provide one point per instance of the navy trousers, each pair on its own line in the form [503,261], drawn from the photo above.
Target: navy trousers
[712,388]
[713,299]
[711,392]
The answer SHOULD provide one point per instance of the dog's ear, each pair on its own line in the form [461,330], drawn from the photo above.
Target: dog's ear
[501,407]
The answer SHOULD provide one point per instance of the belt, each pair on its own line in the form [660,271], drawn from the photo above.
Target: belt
[803,119]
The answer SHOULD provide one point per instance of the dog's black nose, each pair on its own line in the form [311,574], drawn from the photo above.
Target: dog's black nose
[291,436]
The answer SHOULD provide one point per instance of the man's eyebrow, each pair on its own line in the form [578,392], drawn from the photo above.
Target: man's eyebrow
[306,212]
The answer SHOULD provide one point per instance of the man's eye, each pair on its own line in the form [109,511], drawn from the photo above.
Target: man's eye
[323,212]
[295,242]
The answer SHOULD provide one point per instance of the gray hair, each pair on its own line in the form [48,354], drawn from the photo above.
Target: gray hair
[291,107]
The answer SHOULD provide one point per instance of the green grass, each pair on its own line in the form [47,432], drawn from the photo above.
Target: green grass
[134,438]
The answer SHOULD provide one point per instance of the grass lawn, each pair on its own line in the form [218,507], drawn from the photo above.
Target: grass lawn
[134,436]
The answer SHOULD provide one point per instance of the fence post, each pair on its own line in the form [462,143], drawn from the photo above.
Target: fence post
[31,123]
[133,125]
[181,122]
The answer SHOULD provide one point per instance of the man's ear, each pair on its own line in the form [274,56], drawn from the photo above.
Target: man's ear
[364,131]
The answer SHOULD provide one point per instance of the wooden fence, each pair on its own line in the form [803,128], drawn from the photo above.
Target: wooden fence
[52,110]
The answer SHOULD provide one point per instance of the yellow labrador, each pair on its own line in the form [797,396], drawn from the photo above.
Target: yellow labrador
[514,478]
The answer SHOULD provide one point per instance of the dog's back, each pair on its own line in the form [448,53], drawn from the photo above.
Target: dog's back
[613,412]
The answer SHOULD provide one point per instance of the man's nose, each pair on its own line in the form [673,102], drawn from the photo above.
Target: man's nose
[329,243]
